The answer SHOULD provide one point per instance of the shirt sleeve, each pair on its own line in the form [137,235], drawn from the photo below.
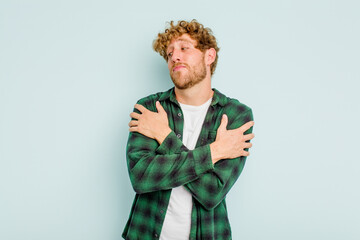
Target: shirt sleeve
[153,167]
[211,188]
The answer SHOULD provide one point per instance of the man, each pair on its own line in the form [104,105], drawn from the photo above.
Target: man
[187,146]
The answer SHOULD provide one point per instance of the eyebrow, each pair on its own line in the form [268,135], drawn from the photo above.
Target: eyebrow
[184,40]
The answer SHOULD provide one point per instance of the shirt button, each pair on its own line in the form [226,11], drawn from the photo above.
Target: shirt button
[179,114]
[161,211]
[179,135]
[156,235]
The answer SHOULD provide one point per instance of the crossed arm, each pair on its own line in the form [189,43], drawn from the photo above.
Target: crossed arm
[228,143]
[167,163]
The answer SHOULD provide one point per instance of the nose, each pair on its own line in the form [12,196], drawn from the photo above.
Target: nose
[176,56]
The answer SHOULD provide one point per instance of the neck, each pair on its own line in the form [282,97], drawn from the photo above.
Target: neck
[196,95]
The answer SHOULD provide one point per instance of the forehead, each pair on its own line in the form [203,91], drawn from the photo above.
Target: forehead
[185,38]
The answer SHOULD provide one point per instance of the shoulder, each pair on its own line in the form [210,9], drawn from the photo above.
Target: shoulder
[231,105]
[235,105]
[237,112]
[150,100]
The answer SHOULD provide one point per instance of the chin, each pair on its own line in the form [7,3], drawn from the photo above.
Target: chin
[182,85]
[180,82]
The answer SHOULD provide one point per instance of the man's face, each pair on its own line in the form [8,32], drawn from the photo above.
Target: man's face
[185,62]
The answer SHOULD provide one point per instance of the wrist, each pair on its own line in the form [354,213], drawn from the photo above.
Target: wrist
[162,135]
[215,152]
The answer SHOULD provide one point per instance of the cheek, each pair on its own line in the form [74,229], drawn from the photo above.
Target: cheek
[169,65]
[197,58]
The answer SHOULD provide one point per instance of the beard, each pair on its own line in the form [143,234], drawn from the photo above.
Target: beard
[192,77]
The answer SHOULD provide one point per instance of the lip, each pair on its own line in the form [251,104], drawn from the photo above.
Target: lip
[177,68]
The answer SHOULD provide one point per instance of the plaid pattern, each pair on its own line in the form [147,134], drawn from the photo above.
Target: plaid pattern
[155,169]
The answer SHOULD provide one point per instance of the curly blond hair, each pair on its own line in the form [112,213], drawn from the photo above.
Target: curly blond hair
[204,37]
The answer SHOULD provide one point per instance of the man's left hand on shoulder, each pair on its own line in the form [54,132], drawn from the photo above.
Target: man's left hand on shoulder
[154,125]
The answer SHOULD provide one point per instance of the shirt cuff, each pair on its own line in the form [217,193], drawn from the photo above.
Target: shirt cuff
[171,144]
[202,159]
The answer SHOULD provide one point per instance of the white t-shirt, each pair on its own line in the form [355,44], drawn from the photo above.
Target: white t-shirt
[177,221]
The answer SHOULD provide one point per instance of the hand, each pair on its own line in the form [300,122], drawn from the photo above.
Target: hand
[151,124]
[231,143]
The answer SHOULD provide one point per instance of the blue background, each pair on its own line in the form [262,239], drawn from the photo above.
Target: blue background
[71,71]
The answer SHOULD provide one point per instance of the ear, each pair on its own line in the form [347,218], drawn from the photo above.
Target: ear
[210,56]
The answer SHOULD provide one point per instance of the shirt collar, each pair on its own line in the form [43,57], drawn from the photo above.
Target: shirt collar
[218,97]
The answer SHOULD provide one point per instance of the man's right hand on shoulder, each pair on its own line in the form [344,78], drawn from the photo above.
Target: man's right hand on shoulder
[231,143]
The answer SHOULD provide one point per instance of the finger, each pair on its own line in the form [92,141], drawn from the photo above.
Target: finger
[223,123]
[133,129]
[133,123]
[141,108]
[249,136]
[135,115]
[246,126]
[247,145]
[245,153]
[159,108]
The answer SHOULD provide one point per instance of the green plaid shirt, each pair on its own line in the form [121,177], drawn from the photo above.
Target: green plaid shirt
[155,169]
